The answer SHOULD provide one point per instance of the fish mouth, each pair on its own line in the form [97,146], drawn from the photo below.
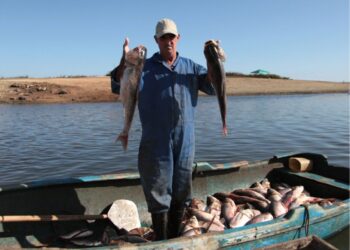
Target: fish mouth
[142,51]
[214,48]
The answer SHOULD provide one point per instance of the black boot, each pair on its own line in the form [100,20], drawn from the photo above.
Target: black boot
[175,216]
[160,225]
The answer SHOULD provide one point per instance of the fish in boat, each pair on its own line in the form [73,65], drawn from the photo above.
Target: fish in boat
[292,195]
[261,218]
[198,204]
[213,206]
[191,227]
[228,209]
[134,61]
[206,217]
[251,193]
[215,56]
[241,218]
[273,195]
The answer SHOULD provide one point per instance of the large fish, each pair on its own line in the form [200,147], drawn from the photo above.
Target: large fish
[198,204]
[205,217]
[228,209]
[214,55]
[251,193]
[261,218]
[292,195]
[242,217]
[278,209]
[191,227]
[134,61]
[214,206]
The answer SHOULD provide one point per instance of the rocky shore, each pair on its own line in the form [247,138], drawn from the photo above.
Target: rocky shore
[97,89]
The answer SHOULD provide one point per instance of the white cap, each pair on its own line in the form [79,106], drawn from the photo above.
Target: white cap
[166,26]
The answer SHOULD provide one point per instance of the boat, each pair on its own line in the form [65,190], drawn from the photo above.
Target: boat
[306,243]
[91,195]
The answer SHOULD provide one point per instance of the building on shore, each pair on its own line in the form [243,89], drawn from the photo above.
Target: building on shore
[260,72]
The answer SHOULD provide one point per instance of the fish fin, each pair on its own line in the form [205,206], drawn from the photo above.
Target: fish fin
[124,140]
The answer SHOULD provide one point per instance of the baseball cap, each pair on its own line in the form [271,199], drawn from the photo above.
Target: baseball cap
[166,26]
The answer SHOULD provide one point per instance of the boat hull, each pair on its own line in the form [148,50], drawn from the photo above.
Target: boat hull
[93,194]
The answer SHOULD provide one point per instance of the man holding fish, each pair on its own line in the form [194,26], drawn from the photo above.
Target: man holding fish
[166,89]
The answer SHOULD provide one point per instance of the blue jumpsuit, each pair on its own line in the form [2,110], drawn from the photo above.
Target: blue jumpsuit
[166,102]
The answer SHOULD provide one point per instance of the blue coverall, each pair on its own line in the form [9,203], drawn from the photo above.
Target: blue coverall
[166,102]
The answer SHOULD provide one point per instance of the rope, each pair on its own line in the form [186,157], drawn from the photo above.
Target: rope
[306,222]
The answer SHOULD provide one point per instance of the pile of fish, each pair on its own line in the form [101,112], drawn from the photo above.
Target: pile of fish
[259,203]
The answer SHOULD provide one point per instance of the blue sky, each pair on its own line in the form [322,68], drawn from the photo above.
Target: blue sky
[300,39]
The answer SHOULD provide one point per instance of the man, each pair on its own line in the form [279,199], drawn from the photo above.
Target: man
[168,93]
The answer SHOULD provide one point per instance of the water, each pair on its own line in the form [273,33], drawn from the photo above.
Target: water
[69,140]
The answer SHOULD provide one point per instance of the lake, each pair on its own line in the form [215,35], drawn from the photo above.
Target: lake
[61,140]
[70,140]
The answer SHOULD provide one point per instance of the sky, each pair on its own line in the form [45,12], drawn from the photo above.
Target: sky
[299,39]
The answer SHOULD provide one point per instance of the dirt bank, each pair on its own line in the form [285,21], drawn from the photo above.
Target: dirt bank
[97,89]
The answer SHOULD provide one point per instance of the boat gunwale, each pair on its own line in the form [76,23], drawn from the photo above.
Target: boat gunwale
[249,233]
[200,169]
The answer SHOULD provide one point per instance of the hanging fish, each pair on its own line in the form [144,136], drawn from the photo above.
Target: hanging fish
[134,61]
[214,55]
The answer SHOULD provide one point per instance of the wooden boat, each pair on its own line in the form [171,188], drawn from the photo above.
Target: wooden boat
[306,243]
[92,194]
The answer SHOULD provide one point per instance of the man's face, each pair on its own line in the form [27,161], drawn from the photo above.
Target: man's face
[167,44]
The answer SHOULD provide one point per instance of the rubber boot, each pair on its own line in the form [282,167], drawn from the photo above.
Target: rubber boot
[175,217]
[160,225]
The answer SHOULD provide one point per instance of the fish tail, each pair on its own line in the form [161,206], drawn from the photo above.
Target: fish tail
[224,130]
[123,137]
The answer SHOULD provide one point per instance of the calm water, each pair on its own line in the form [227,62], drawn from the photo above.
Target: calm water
[67,140]
[53,141]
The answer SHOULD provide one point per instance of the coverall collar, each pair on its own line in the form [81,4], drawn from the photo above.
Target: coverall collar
[158,58]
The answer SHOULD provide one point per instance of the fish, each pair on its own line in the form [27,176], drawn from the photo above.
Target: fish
[241,218]
[228,209]
[242,199]
[302,199]
[292,195]
[144,232]
[215,57]
[273,195]
[213,206]
[206,217]
[251,193]
[86,243]
[261,218]
[260,190]
[198,204]
[257,185]
[282,188]
[191,227]
[278,209]
[134,61]
[265,183]
[81,233]
[207,226]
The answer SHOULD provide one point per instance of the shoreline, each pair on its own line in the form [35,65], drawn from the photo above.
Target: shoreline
[97,89]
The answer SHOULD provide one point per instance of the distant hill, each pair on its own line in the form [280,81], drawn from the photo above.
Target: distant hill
[267,76]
